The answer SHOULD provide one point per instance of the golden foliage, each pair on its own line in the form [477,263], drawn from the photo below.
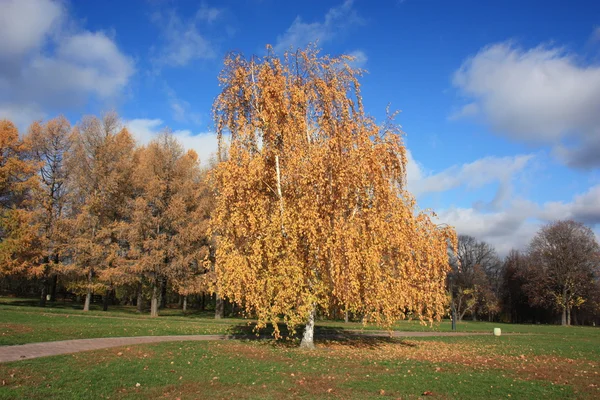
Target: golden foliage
[312,204]
[101,163]
[167,232]
[18,241]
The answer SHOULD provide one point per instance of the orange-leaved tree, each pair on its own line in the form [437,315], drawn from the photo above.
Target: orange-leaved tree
[192,270]
[18,238]
[312,205]
[165,240]
[101,164]
[49,144]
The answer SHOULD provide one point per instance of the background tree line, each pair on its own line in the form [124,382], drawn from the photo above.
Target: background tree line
[85,210]
[555,279]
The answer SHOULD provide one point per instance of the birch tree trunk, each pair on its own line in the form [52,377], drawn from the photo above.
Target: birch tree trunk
[308,338]
[154,301]
[184,303]
[88,296]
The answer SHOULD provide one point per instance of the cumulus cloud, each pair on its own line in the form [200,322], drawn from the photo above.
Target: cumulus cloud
[584,208]
[515,225]
[470,175]
[145,130]
[506,229]
[18,38]
[543,95]
[508,221]
[47,65]
[337,20]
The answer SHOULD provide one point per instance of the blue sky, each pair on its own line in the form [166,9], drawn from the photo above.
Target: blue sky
[500,100]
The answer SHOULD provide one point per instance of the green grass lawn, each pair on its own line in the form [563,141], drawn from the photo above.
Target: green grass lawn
[21,321]
[548,362]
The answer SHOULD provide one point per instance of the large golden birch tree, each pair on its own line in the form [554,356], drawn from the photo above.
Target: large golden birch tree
[312,205]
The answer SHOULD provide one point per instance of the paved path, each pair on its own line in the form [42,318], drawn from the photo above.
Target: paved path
[44,349]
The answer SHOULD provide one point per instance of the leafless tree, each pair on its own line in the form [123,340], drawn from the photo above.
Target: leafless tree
[565,262]
[475,269]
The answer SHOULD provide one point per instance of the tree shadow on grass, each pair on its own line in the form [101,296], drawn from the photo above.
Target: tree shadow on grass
[324,336]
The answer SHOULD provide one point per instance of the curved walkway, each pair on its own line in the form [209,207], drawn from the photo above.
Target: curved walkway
[45,349]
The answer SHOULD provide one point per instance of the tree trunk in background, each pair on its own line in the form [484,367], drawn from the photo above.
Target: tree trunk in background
[568,316]
[154,301]
[88,296]
[105,299]
[53,284]
[563,320]
[184,303]
[160,293]
[43,294]
[163,293]
[219,307]
[308,338]
[346,317]
[140,297]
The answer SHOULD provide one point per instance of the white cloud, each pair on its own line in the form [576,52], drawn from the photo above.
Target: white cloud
[515,225]
[144,130]
[470,175]
[507,222]
[53,68]
[505,230]
[183,42]
[543,95]
[337,20]
[584,208]
[25,24]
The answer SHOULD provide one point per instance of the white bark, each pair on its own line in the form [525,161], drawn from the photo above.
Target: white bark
[308,341]
[154,300]
[88,296]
